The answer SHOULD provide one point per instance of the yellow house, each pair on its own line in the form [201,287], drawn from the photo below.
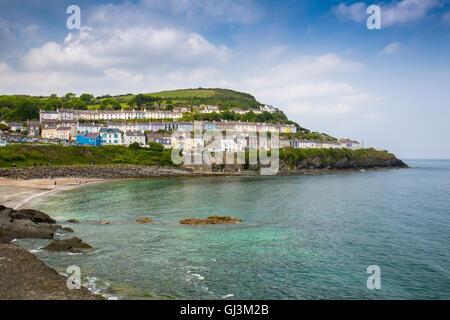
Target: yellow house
[49,132]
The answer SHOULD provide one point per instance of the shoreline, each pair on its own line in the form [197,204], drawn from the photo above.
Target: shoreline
[16,193]
[20,185]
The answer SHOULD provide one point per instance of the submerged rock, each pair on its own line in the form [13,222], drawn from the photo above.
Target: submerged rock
[144,220]
[72,221]
[71,245]
[211,220]
[104,222]
[67,229]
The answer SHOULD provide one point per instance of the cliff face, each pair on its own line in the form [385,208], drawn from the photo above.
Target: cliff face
[343,163]
[301,159]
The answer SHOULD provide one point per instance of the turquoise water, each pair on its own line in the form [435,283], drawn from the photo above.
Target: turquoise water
[303,237]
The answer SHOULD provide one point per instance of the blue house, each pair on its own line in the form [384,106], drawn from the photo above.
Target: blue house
[89,139]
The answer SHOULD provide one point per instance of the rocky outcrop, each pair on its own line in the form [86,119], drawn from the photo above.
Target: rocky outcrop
[25,277]
[19,224]
[71,245]
[144,220]
[33,215]
[72,221]
[211,220]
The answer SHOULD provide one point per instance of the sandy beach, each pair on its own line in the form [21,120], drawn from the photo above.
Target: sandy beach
[17,193]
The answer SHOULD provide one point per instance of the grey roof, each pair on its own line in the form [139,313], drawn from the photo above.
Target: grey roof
[134,134]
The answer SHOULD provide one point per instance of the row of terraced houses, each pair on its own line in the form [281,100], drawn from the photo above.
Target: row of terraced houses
[117,128]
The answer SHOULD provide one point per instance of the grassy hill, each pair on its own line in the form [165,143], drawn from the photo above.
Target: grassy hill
[225,98]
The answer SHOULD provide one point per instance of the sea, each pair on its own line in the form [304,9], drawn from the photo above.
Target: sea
[310,236]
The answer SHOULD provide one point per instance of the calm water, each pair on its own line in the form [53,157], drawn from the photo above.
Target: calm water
[303,237]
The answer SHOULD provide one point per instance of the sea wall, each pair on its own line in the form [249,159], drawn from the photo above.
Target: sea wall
[93,171]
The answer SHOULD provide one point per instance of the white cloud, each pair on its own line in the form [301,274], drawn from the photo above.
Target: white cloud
[355,12]
[135,48]
[391,48]
[407,11]
[395,13]
[305,86]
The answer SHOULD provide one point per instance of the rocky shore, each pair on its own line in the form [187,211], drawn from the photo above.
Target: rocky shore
[94,171]
[25,277]
[22,275]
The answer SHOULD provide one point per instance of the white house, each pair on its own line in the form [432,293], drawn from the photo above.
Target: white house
[48,115]
[63,133]
[350,144]
[134,136]
[14,126]
[111,136]
[210,109]
[268,108]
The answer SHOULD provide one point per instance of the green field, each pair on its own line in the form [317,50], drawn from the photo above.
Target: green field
[27,155]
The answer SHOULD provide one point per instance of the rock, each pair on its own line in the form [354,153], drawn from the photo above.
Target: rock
[144,220]
[211,220]
[67,229]
[104,222]
[33,215]
[20,224]
[71,245]
[24,277]
[19,229]
[72,221]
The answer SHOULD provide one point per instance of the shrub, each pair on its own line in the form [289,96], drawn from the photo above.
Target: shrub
[154,146]
[135,146]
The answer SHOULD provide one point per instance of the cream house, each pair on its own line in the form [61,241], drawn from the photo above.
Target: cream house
[49,132]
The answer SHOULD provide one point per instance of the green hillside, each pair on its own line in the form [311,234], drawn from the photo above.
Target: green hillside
[225,98]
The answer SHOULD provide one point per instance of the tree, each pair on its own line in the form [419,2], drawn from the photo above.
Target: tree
[110,104]
[135,146]
[87,98]
[154,146]
[69,96]
[52,103]
[4,112]
[78,104]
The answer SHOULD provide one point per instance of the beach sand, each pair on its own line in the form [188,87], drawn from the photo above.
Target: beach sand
[16,193]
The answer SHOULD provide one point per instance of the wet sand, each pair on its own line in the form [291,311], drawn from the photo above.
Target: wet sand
[16,193]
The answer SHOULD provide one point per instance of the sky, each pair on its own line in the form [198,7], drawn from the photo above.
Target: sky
[315,60]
